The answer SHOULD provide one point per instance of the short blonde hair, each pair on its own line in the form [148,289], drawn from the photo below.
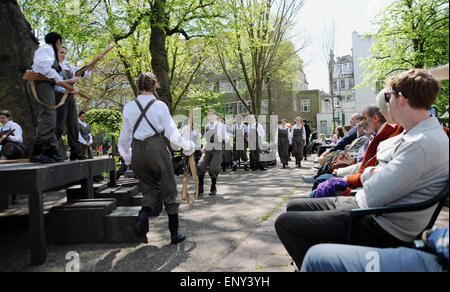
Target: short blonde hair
[381,100]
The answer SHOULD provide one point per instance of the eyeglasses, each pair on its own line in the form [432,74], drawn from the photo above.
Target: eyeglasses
[387,95]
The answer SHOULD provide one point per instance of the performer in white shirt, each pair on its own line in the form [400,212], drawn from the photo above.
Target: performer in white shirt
[84,136]
[240,143]
[298,141]
[227,159]
[283,139]
[215,133]
[256,135]
[142,145]
[67,113]
[12,146]
[46,63]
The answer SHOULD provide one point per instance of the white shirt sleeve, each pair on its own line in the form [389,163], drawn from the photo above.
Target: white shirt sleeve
[276,136]
[17,133]
[261,131]
[44,58]
[125,139]
[81,140]
[171,130]
[304,134]
[290,135]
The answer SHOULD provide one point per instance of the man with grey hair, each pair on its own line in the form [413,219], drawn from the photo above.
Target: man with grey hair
[351,135]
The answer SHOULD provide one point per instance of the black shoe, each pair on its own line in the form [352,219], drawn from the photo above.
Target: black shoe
[213,190]
[200,185]
[53,153]
[246,167]
[263,168]
[175,237]
[234,168]
[41,158]
[299,165]
[141,227]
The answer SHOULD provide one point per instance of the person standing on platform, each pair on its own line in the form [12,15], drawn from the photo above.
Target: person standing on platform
[46,63]
[283,139]
[146,121]
[85,137]
[299,138]
[11,147]
[240,143]
[212,152]
[256,136]
[67,113]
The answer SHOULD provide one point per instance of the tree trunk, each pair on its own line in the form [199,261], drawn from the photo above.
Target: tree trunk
[160,63]
[17,46]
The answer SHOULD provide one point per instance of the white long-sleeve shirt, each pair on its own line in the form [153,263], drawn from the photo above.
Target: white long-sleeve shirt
[289,132]
[67,66]
[158,115]
[17,135]
[242,127]
[81,139]
[260,130]
[44,58]
[299,127]
[222,134]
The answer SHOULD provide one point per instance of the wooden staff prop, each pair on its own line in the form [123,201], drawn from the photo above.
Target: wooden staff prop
[189,163]
[33,76]
[90,66]
[5,136]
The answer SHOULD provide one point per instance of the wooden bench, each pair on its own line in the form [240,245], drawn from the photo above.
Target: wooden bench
[33,179]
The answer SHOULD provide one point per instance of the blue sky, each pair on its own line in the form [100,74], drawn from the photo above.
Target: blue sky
[316,16]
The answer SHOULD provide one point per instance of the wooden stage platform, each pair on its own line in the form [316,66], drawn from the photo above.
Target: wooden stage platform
[33,179]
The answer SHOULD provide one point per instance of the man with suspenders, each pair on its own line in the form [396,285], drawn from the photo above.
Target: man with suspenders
[146,121]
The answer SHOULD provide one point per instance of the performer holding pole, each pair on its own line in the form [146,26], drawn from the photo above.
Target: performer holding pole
[283,139]
[67,113]
[298,141]
[212,152]
[142,145]
[46,63]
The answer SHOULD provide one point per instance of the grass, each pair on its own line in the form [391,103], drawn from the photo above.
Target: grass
[284,199]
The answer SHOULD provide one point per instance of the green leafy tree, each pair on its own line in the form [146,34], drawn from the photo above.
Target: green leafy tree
[104,122]
[412,34]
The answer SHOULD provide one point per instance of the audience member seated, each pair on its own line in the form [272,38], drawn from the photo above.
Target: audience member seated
[347,258]
[347,139]
[412,167]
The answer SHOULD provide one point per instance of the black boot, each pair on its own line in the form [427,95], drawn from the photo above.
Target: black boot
[53,153]
[200,185]
[234,167]
[299,164]
[175,237]
[40,155]
[246,167]
[213,190]
[75,153]
[141,226]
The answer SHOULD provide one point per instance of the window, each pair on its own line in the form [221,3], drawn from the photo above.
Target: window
[305,105]
[342,83]
[241,109]
[335,85]
[229,107]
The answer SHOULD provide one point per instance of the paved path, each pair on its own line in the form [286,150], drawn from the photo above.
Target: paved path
[233,231]
[215,226]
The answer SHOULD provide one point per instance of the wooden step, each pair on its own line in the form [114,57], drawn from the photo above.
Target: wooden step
[119,226]
[75,192]
[137,199]
[79,221]
[123,195]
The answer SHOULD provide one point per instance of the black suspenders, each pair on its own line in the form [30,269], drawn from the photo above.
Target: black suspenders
[142,116]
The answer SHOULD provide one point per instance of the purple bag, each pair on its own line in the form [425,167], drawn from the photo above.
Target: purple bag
[331,188]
